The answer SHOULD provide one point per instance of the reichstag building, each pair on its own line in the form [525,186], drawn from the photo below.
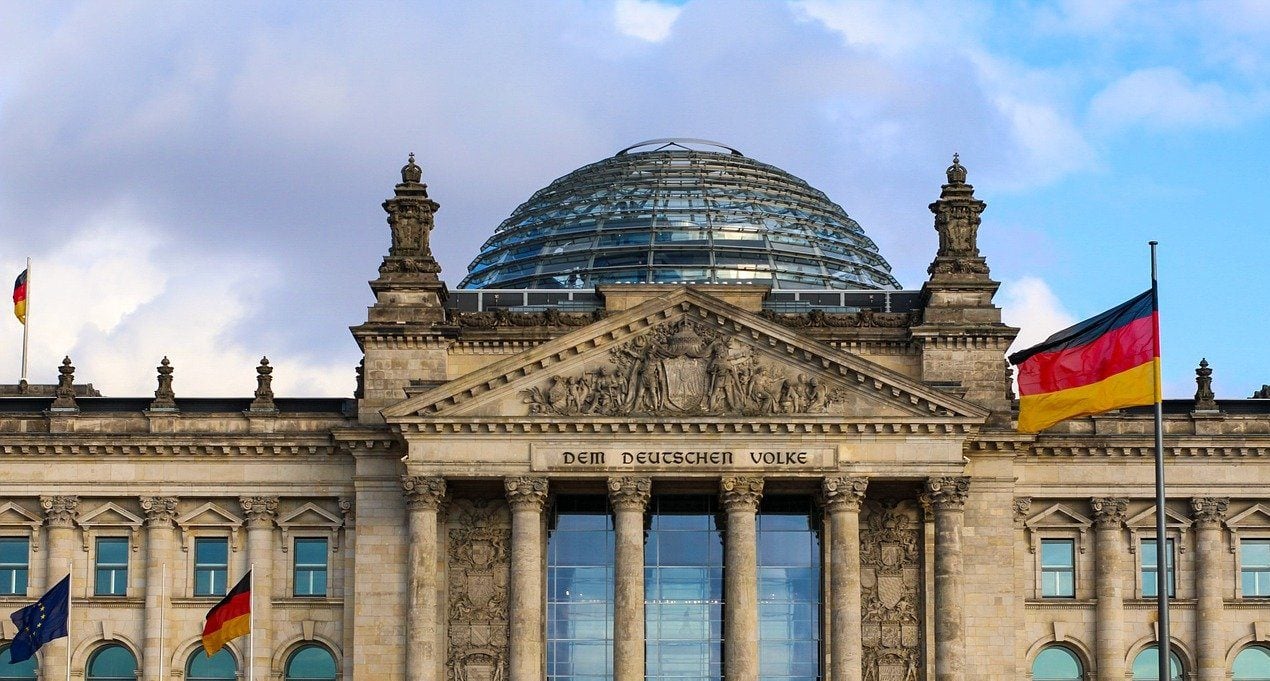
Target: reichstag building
[677,422]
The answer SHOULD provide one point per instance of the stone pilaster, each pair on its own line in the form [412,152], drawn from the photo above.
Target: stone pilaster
[59,522]
[261,512]
[160,535]
[740,497]
[424,497]
[1209,512]
[842,504]
[948,499]
[1109,548]
[629,498]
[527,497]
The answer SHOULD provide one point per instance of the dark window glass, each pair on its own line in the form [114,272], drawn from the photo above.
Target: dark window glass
[1252,664]
[112,567]
[1254,567]
[310,566]
[1146,666]
[211,566]
[112,663]
[788,589]
[15,556]
[311,663]
[22,671]
[580,562]
[1058,568]
[219,667]
[1151,568]
[683,579]
[1057,663]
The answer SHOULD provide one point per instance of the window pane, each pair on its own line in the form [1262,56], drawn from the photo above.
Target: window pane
[789,589]
[1252,664]
[1146,666]
[580,561]
[684,574]
[310,551]
[311,662]
[1057,553]
[22,671]
[1255,552]
[1056,664]
[111,578]
[219,667]
[310,567]
[1058,571]
[112,663]
[211,566]
[14,554]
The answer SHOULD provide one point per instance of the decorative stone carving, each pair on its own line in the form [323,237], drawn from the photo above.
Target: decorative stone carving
[891,588]
[740,493]
[160,511]
[1022,507]
[1204,398]
[423,491]
[64,396]
[491,319]
[1209,511]
[948,493]
[164,397]
[264,388]
[683,368]
[479,570]
[526,492]
[957,223]
[359,385]
[864,319]
[844,493]
[260,511]
[410,218]
[629,492]
[60,511]
[1109,512]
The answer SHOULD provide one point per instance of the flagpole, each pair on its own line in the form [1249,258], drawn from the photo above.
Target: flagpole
[70,568]
[1164,647]
[251,624]
[26,323]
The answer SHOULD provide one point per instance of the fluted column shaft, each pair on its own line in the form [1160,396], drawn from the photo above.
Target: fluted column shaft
[59,518]
[160,515]
[527,498]
[842,504]
[948,500]
[261,513]
[1209,512]
[424,496]
[629,498]
[1109,517]
[740,497]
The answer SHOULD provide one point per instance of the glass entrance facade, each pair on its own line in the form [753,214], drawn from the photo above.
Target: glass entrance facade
[580,563]
[788,589]
[683,582]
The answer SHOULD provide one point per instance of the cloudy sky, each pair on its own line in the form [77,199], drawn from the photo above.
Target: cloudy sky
[203,180]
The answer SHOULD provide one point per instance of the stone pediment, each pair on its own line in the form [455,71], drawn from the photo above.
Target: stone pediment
[685,355]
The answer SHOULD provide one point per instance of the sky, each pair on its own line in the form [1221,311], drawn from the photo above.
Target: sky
[203,181]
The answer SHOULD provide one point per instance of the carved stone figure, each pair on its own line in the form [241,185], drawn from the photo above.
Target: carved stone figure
[957,223]
[479,565]
[64,399]
[891,589]
[1205,400]
[410,219]
[264,387]
[164,397]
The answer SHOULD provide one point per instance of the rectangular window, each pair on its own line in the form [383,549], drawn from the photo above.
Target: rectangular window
[15,555]
[788,589]
[1058,568]
[1254,567]
[310,567]
[112,567]
[1151,568]
[683,590]
[211,566]
[580,565]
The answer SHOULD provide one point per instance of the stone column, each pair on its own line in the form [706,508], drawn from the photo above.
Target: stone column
[527,496]
[842,504]
[261,512]
[1109,548]
[424,496]
[629,498]
[948,499]
[59,518]
[740,497]
[1209,512]
[160,515]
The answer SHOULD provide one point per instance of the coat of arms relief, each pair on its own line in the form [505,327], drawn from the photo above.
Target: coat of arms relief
[891,589]
[684,368]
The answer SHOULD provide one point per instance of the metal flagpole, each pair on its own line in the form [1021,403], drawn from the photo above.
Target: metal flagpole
[70,571]
[251,624]
[1164,644]
[26,322]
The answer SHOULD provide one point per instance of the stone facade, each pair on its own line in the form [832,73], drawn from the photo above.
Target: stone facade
[434,486]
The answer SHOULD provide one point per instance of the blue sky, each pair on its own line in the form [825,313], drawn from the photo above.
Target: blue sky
[203,180]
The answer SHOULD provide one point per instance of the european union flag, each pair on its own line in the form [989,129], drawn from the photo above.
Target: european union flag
[41,622]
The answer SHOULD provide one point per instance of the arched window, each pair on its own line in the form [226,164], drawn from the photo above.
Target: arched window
[1057,663]
[219,667]
[1146,666]
[22,671]
[1252,664]
[112,663]
[311,663]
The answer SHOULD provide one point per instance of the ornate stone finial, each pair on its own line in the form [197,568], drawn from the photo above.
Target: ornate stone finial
[629,493]
[160,511]
[264,387]
[956,172]
[164,397]
[844,493]
[1109,512]
[1009,381]
[957,223]
[260,510]
[64,398]
[740,493]
[1204,398]
[60,510]
[526,493]
[346,510]
[1209,511]
[423,492]
[411,173]
[948,493]
[359,388]
[1022,507]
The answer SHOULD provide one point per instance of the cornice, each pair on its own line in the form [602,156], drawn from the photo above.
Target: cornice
[961,427]
[1142,447]
[183,445]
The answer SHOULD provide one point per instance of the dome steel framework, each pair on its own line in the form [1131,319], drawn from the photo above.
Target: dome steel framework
[672,211]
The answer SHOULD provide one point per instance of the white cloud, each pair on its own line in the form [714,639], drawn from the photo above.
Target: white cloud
[1164,98]
[1029,304]
[646,19]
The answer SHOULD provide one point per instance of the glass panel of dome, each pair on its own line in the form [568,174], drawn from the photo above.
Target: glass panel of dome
[682,236]
[620,260]
[624,239]
[668,275]
[742,258]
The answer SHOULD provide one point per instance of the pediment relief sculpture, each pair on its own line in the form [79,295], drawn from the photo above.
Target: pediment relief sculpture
[684,368]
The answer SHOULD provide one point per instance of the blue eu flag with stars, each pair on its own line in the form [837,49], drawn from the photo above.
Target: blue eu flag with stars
[41,622]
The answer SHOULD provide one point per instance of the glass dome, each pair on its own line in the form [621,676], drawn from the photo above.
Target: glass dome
[672,211]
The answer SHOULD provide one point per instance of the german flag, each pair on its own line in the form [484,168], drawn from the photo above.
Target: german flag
[230,618]
[1103,363]
[19,297]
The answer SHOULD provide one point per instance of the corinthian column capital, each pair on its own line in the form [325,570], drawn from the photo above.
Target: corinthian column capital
[740,493]
[260,511]
[629,493]
[844,493]
[160,511]
[1109,512]
[526,492]
[423,492]
[59,511]
[948,493]
[1209,511]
